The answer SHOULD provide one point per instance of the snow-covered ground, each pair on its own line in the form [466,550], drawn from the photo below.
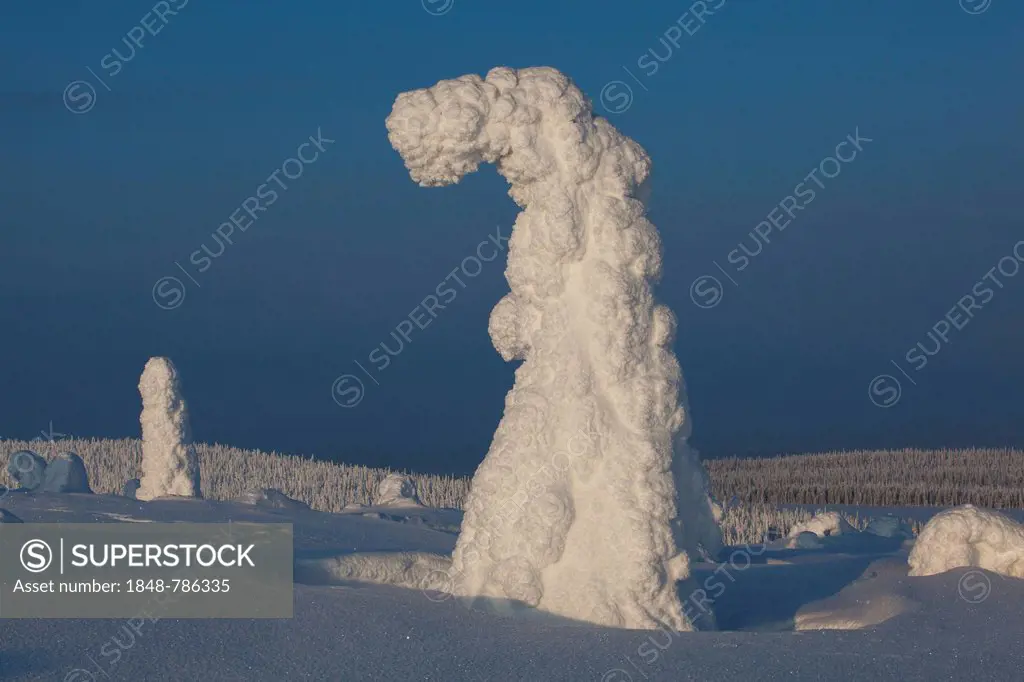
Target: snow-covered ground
[769,607]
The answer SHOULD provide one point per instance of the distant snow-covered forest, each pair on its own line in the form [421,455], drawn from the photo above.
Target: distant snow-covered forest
[885,478]
[750,489]
[992,477]
[881,478]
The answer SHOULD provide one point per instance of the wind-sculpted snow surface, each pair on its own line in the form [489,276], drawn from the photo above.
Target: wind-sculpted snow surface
[170,466]
[967,536]
[574,510]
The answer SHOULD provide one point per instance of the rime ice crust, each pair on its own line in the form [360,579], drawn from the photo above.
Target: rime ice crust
[574,509]
[170,466]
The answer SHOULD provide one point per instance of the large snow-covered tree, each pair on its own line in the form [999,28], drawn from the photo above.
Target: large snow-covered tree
[589,497]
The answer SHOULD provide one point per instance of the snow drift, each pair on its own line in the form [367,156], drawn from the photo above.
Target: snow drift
[969,537]
[880,594]
[170,466]
[589,495]
[413,570]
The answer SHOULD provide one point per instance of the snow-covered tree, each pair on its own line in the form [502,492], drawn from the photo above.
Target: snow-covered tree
[575,509]
[396,490]
[170,466]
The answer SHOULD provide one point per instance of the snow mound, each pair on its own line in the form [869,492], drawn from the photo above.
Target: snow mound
[66,474]
[170,466]
[878,595]
[271,498]
[852,615]
[414,570]
[969,537]
[889,527]
[27,468]
[803,540]
[823,524]
[589,498]
[396,490]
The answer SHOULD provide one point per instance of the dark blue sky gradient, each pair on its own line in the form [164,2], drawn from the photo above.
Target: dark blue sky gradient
[98,206]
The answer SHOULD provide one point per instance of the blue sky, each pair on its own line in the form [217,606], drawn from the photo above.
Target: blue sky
[100,205]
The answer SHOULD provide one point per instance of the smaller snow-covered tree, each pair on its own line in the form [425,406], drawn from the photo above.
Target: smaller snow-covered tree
[396,490]
[170,466]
